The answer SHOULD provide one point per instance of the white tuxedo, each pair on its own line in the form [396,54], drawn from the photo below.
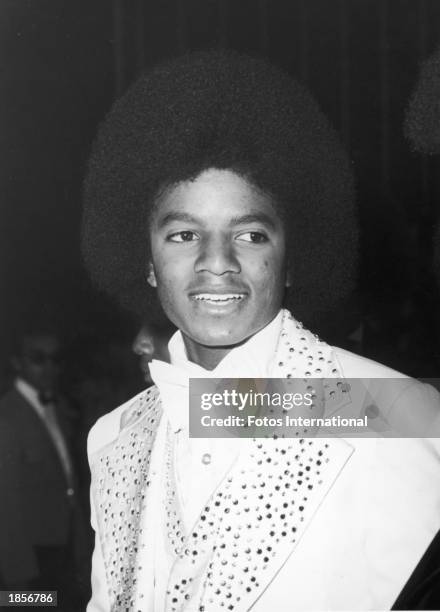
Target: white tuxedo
[313,524]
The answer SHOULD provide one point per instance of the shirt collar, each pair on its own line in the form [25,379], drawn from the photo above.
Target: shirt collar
[29,393]
[253,359]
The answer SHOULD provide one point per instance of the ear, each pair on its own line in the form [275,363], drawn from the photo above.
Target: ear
[151,275]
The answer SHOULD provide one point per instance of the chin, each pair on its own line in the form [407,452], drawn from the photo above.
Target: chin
[221,338]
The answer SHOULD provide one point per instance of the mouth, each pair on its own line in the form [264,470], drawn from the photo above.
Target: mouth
[218,298]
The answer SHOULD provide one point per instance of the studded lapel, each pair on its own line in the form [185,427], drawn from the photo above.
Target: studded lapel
[253,522]
[124,495]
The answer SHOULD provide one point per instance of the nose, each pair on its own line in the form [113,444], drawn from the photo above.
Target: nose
[217,256]
[142,346]
[146,348]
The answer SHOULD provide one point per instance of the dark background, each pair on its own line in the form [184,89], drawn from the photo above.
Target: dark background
[62,65]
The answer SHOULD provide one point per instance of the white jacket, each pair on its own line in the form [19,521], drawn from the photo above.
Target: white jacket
[344,534]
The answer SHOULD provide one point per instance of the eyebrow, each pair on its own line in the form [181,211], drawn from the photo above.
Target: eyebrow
[253,218]
[176,216]
[240,220]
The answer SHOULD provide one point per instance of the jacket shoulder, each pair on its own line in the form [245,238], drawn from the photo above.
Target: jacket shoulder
[411,406]
[356,366]
[108,427]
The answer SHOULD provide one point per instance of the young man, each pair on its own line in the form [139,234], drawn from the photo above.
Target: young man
[217,182]
[42,527]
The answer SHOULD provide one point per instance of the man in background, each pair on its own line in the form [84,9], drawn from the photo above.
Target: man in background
[151,342]
[41,527]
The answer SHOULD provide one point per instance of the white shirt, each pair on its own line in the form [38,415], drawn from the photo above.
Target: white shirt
[198,465]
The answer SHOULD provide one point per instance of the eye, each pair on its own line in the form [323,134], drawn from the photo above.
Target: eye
[185,236]
[254,237]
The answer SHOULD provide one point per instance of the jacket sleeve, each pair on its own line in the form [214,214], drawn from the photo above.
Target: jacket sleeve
[18,564]
[104,430]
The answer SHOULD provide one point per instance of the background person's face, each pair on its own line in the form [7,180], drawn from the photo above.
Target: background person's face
[218,253]
[38,362]
[149,345]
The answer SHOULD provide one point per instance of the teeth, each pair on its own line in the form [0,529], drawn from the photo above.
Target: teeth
[213,297]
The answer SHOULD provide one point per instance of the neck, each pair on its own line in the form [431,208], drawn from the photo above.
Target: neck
[208,357]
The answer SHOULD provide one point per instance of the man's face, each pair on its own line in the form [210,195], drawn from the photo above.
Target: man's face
[218,250]
[38,363]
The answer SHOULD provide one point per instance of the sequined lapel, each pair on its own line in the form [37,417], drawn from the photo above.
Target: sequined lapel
[253,521]
[122,489]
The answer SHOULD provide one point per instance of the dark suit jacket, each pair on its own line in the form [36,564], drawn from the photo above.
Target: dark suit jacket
[422,591]
[35,509]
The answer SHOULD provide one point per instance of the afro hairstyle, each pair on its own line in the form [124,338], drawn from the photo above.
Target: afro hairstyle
[422,120]
[422,124]
[223,110]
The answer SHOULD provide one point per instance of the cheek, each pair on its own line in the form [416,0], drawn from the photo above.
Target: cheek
[168,271]
[268,273]
[172,278]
